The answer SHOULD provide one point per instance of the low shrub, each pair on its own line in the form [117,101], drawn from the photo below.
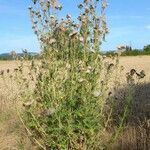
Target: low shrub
[67,96]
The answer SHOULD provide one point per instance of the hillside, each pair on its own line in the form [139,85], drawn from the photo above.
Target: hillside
[8,56]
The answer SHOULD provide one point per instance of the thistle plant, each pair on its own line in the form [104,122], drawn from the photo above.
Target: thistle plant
[68,106]
[65,34]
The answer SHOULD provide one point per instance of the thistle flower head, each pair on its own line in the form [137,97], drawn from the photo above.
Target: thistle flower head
[96,93]
[132,72]
[73,34]
[81,39]
[52,41]
[80,6]
[68,16]
[30,7]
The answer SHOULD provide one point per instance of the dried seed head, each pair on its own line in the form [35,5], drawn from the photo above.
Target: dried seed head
[48,112]
[68,16]
[96,93]
[132,72]
[52,41]
[35,22]
[52,16]
[122,68]
[81,39]
[81,80]
[110,67]
[16,69]
[110,93]
[37,13]
[68,66]
[80,6]
[39,16]
[130,79]
[46,21]
[79,18]
[73,34]
[28,104]
[25,51]
[59,7]
[91,7]
[30,8]
[8,71]
[104,56]
[104,4]
[141,74]
[87,10]
[88,71]
[2,72]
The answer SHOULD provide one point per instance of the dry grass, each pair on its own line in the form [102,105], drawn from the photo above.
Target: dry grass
[137,131]
[12,133]
[135,136]
[138,63]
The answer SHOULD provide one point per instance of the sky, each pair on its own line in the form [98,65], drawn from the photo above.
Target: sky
[128,23]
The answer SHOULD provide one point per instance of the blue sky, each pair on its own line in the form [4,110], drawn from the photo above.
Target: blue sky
[128,22]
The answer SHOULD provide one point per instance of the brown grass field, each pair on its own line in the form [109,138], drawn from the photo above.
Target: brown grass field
[136,135]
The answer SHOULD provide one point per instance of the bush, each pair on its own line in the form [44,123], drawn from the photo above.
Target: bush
[147,49]
[67,98]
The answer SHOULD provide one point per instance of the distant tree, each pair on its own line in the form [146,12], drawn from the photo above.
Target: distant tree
[128,48]
[146,48]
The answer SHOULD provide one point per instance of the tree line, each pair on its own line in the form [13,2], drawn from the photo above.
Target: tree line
[132,52]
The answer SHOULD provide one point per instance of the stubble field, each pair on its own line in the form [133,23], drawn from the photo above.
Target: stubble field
[136,136]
